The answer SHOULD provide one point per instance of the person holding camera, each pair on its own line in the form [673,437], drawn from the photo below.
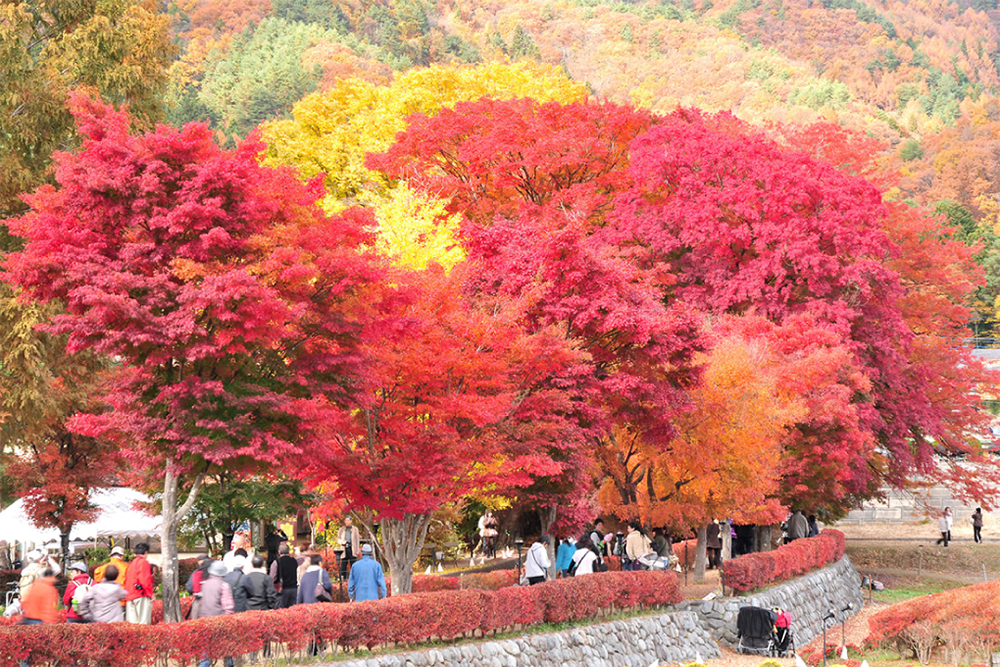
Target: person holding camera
[139,588]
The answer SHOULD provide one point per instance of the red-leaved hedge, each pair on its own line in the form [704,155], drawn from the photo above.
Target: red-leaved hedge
[965,620]
[686,552]
[752,571]
[486,581]
[405,619]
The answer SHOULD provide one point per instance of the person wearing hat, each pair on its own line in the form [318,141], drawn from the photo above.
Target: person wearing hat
[118,560]
[78,587]
[216,595]
[30,571]
[367,580]
[216,599]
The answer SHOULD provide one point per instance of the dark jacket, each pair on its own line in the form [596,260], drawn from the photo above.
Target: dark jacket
[193,583]
[307,587]
[235,580]
[713,537]
[259,590]
[288,569]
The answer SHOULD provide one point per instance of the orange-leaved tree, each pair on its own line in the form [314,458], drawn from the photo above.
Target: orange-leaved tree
[725,459]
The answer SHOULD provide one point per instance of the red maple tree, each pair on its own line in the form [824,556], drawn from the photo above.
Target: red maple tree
[232,302]
[447,386]
[535,184]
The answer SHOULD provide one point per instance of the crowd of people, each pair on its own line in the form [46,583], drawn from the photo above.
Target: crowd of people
[123,591]
[635,548]
[118,591]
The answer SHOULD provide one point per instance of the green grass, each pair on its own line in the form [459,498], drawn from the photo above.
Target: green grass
[913,588]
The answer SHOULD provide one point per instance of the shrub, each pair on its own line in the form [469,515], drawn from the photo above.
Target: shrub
[965,620]
[685,552]
[403,619]
[487,581]
[186,603]
[755,570]
[429,583]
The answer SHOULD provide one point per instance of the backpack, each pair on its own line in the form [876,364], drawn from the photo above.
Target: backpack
[82,590]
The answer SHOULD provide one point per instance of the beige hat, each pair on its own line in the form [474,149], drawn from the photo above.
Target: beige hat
[117,551]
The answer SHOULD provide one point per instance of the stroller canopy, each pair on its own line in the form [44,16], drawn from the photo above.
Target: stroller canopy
[755,622]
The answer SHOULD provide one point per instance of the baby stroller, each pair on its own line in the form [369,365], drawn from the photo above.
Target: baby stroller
[764,632]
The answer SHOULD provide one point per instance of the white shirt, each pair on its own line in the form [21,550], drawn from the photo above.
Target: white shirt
[227,560]
[585,560]
[536,563]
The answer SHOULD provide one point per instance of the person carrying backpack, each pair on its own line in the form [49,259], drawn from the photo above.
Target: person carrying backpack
[78,588]
[236,579]
[103,603]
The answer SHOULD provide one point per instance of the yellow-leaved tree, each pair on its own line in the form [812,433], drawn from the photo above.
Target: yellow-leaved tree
[331,133]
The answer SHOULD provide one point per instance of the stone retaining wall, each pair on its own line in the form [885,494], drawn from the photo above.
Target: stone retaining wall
[673,637]
[809,598]
[679,636]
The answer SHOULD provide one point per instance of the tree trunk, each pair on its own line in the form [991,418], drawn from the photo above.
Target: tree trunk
[699,554]
[64,546]
[547,517]
[402,541]
[172,515]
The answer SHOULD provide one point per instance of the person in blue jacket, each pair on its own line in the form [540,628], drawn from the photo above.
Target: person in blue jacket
[367,581]
[564,556]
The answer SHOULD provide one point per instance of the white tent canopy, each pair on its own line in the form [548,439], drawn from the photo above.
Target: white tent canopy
[117,517]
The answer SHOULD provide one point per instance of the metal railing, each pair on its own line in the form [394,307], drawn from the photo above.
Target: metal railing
[982,343]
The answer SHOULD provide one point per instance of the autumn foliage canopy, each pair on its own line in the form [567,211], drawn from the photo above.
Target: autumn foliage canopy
[679,316]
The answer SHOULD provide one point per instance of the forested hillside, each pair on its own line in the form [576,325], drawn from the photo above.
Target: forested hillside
[920,77]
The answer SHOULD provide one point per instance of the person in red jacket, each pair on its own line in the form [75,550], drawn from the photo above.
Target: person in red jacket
[78,571]
[41,604]
[139,588]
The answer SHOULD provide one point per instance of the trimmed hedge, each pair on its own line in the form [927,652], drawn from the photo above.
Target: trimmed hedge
[753,571]
[686,552]
[485,581]
[406,619]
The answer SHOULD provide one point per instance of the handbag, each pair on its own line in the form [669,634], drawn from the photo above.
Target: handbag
[322,595]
